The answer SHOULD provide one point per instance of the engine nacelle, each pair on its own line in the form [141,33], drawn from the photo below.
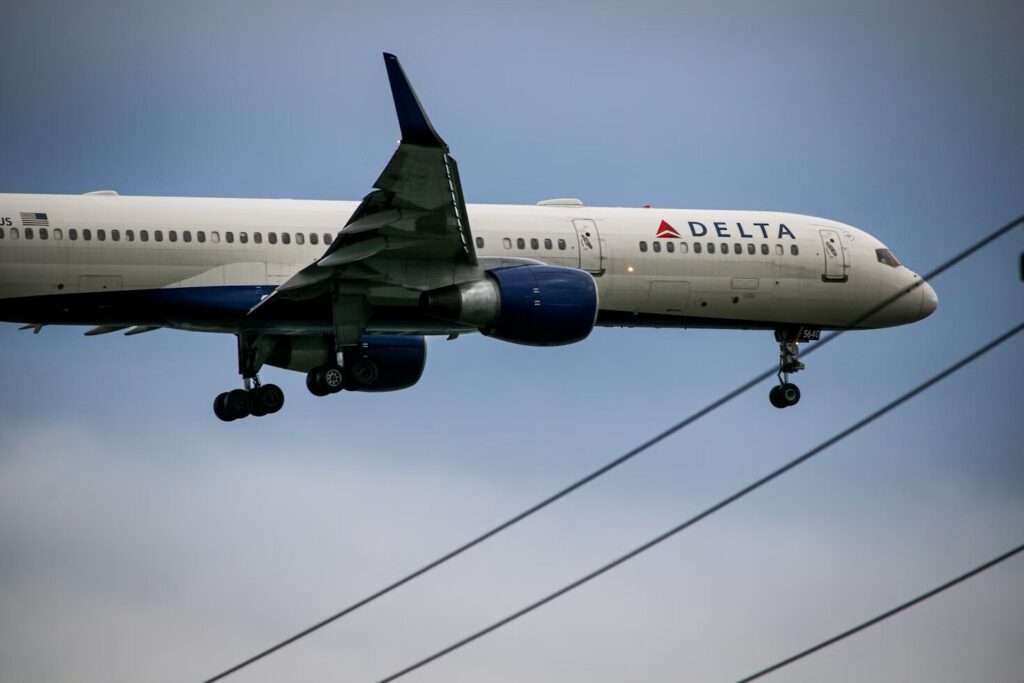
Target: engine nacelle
[377,363]
[534,305]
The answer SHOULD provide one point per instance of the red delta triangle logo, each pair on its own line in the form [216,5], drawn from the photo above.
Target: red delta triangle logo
[667,231]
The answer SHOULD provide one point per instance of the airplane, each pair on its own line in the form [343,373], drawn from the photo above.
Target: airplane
[347,292]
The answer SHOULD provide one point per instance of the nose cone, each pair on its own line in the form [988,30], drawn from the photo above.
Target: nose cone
[929,300]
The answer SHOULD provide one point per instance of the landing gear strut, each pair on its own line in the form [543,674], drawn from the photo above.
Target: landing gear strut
[787,394]
[254,399]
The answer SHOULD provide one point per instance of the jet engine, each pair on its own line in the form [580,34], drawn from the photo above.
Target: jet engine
[536,305]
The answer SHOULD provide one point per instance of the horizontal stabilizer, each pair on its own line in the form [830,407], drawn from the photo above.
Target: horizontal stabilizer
[140,329]
[105,329]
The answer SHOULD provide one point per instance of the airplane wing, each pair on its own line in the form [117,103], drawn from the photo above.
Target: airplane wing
[412,228]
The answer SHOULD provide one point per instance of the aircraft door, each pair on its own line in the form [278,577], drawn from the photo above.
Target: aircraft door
[835,257]
[589,245]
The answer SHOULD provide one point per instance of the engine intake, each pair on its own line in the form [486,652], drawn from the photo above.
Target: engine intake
[533,305]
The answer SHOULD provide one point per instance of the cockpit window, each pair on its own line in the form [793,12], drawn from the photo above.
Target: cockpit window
[888,258]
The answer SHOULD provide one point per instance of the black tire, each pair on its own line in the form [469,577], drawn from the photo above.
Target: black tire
[239,403]
[775,396]
[220,407]
[313,383]
[365,373]
[258,409]
[271,398]
[790,393]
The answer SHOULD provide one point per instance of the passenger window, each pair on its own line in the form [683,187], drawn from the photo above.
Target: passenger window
[506,242]
[643,246]
[129,235]
[257,237]
[286,238]
[548,245]
[300,238]
[144,235]
[521,243]
[725,249]
[1,233]
[272,237]
[656,245]
[794,250]
[29,234]
[186,236]
[201,236]
[229,237]
[670,247]
[243,237]
[764,249]
[534,244]
[172,235]
[561,245]
[327,238]
[737,248]
[158,235]
[711,247]
[479,242]
[751,249]
[101,235]
[778,250]
[115,235]
[44,234]
[14,233]
[215,237]
[683,247]
[72,233]
[58,234]
[696,247]
[314,238]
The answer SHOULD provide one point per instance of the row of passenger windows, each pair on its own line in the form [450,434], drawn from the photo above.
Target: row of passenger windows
[737,248]
[100,234]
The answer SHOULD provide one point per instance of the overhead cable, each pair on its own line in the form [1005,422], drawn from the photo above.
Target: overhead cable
[609,466]
[714,508]
[884,615]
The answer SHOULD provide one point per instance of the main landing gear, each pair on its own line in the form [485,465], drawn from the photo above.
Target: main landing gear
[330,379]
[787,394]
[254,399]
[259,400]
[324,380]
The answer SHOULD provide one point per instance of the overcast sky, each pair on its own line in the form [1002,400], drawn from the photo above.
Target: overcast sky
[142,539]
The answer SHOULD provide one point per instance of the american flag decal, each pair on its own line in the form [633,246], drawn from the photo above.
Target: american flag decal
[34,219]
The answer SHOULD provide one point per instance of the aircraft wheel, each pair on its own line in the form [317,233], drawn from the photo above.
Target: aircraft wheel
[238,403]
[365,372]
[314,384]
[790,394]
[332,378]
[220,407]
[258,408]
[775,396]
[270,398]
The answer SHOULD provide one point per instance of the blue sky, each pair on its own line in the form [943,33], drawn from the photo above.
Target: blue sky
[144,539]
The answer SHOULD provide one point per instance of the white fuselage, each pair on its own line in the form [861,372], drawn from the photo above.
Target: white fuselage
[724,269]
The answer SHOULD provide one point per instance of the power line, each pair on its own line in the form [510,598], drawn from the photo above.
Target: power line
[717,506]
[604,469]
[885,615]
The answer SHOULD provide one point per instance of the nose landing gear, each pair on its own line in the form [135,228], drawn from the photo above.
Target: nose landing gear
[787,394]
